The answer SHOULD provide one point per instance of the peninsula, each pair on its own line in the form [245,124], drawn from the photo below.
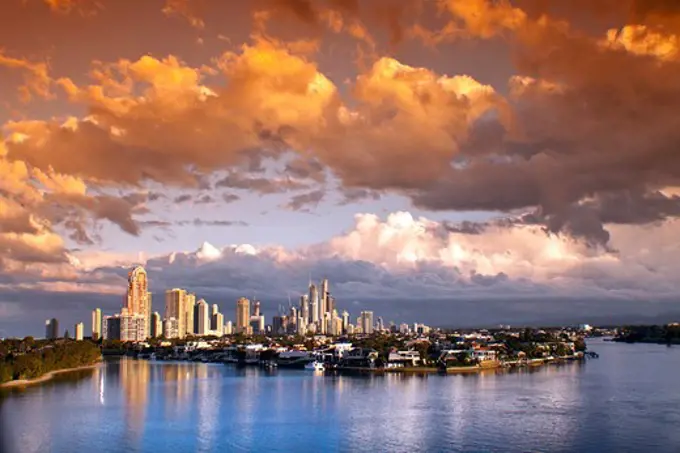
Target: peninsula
[28,361]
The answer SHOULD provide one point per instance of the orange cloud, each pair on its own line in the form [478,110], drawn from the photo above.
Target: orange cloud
[36,77]
[641,40]
[186,9]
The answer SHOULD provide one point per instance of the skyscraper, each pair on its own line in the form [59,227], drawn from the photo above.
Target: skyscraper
[175,307]
[367,322]
[78,330]
[256,308]
[170,328]
[217,323]
[96,324]
[257,324]
[156,325]
[242,315]
[314,303]
[304,306]
[330,303]
[126,326]
[323,304]
[189,307]
[345,321]
[214,309]
[52,329]
[202,315]
[138,301]
[280,324]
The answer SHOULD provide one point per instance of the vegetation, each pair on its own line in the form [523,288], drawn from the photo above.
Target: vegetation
[668,334]
[30,359]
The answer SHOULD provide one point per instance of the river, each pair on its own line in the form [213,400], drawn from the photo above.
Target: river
[628,400]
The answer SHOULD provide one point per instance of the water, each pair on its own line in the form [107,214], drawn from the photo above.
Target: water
[626,401]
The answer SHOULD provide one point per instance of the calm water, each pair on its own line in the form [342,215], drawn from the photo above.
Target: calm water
[627,401]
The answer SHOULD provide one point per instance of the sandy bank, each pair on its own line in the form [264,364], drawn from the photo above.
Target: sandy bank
[45,377]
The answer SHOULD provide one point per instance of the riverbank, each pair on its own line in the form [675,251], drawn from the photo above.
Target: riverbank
[495,367]
[46,377]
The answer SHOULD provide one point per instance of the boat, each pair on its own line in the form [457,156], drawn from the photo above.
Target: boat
[294,359]
[315,366]
[269,364]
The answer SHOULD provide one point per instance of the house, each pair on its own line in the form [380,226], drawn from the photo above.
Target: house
[401,359]
[360,358]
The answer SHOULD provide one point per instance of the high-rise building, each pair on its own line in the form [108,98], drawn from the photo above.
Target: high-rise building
[380,326]
[156,325]
[280,324]
[170,328]
[214,308]
[96,324]
[367,322]
[126,326]
[228,328]
[52,329]
[78,330]
[301,325]
[256,308]
[337,326]
[345,321]
[325,324]
[323,302]
[257,324]
[304,306]
[242,315]
[314,303]
[175,307]
[202,316]
[189,308]
[330,301]
[138,300]
[217,324]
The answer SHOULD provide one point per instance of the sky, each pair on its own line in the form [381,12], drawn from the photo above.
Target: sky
[453,162]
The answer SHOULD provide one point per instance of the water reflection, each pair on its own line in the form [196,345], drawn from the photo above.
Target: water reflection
[127,405]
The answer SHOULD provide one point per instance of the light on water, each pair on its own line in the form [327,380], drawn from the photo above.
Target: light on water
[628,400]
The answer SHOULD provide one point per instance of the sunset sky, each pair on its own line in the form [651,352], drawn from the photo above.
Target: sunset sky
[453,162]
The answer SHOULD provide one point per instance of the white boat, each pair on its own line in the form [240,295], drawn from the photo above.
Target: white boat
[315,365]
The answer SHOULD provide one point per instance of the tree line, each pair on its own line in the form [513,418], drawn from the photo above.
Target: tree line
[30,359]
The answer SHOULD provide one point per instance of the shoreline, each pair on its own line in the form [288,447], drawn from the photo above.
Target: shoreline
[455,370]
[45,377]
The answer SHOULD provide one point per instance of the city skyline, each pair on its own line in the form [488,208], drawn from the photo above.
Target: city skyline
[183,317]
[464,163]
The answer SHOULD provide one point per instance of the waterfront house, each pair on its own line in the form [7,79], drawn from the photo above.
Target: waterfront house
[402,359]
[360,358]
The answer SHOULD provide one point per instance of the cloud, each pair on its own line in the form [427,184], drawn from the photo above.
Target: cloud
[183,198]
[37,81]
[230,197]
[262,185]
[583,137]
[185,9]
[313,198]
[83,7]
[405,268]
